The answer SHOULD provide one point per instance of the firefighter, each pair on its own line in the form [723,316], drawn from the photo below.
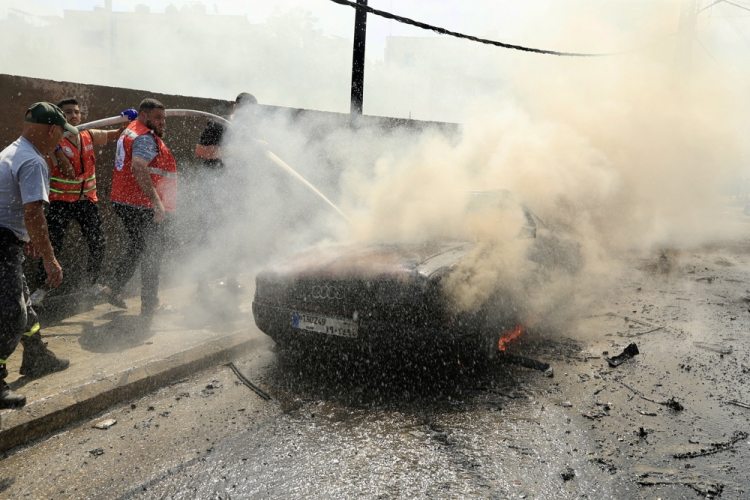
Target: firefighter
[144,192]
[73,195]
[24,190]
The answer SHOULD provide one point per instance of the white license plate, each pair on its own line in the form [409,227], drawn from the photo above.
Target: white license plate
[323,324]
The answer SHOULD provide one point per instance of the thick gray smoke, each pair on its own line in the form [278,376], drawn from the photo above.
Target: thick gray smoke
[633,152]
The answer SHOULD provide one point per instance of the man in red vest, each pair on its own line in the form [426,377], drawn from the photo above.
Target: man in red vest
[144,192]
[73,195]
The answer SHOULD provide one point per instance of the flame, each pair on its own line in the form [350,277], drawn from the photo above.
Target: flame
[509,336]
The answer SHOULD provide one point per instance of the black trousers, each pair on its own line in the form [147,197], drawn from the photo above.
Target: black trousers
[16,314]
[146,242]
[86,213]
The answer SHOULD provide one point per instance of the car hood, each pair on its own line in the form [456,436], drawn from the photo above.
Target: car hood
[371,261]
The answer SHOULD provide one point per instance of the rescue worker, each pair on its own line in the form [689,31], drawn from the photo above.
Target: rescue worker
[144,192]
[214,184]
[24,189]
[73,195]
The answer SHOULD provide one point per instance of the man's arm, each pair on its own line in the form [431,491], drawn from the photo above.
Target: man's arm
[36,225]
[208,152]
[139,167]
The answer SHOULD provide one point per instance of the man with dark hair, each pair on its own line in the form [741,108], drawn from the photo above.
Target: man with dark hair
[144,192]
[211,149]
[210,142]
[73,195]
[24,189]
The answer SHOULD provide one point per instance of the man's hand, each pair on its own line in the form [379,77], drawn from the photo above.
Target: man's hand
[30,250]
[131,114]
[54,272]
[159,213]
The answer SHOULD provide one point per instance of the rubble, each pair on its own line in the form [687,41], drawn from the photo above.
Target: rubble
[630,351]
[715,447]
[512,359]
[105,424]
[713,347]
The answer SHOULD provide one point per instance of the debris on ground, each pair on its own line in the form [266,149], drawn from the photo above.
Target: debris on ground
[512,359]
[706,490]
[97,452]
[568,474]
[713,347]
[738,403]
[630,351]
[671,403]
[707,279]
[715,447]
[638,333]
[105,424]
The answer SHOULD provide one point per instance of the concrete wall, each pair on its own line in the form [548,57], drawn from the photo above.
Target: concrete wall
[97,102]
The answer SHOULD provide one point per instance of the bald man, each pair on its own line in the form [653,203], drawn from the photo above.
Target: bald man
[24,190]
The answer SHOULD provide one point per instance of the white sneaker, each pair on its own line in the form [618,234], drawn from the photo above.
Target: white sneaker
[37,298]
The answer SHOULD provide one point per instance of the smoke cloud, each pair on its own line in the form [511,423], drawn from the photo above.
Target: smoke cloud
[627,153]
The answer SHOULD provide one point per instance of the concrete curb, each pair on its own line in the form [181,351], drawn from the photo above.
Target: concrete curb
[45,416]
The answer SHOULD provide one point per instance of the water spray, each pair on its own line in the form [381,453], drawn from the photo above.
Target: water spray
[115,120]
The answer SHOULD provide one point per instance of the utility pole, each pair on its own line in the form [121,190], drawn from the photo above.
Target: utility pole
[358,59]
[685,35]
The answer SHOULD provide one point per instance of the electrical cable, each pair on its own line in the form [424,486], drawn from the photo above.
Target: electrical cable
[443,31]
[734,26]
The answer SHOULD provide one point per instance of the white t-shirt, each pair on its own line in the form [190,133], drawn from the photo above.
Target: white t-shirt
[24,178]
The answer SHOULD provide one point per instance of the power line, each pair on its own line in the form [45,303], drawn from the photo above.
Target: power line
[734,26]
[443,31]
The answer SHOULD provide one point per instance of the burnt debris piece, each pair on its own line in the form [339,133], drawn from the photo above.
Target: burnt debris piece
[512,359]
[715,447]
[630,351]
[714,347]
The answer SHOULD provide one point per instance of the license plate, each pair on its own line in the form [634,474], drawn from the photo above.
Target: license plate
[323,324]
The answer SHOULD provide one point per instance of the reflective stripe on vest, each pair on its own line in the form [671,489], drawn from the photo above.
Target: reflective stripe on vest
[162,173]
[83,161]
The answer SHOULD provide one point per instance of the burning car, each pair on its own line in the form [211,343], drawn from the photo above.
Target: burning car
[378,296]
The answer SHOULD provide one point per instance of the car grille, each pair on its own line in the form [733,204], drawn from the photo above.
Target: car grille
[381,300]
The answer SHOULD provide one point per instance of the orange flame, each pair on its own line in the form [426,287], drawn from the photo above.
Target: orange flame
[509,336]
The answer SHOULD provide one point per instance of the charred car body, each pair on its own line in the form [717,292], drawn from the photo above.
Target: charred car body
[379,297]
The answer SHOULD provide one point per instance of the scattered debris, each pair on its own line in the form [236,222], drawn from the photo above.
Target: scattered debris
[105,424]
[671,403]
[512,359]
[707,490]
[629,352]
[97,452]
[568,474]
[260,392]
[707,279]
[606,465]
[715,447]
[738,403]
[713,347]
[628,318]
[593,415]
[629,334]
[647,413]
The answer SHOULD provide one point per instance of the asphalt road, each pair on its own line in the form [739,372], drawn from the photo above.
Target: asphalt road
[668,423]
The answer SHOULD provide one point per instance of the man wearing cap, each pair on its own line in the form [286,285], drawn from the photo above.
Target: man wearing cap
[144,191]
[24,190]
[73,195]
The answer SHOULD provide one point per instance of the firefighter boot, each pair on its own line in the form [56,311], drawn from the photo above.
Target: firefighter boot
[37,359]
[8,398]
